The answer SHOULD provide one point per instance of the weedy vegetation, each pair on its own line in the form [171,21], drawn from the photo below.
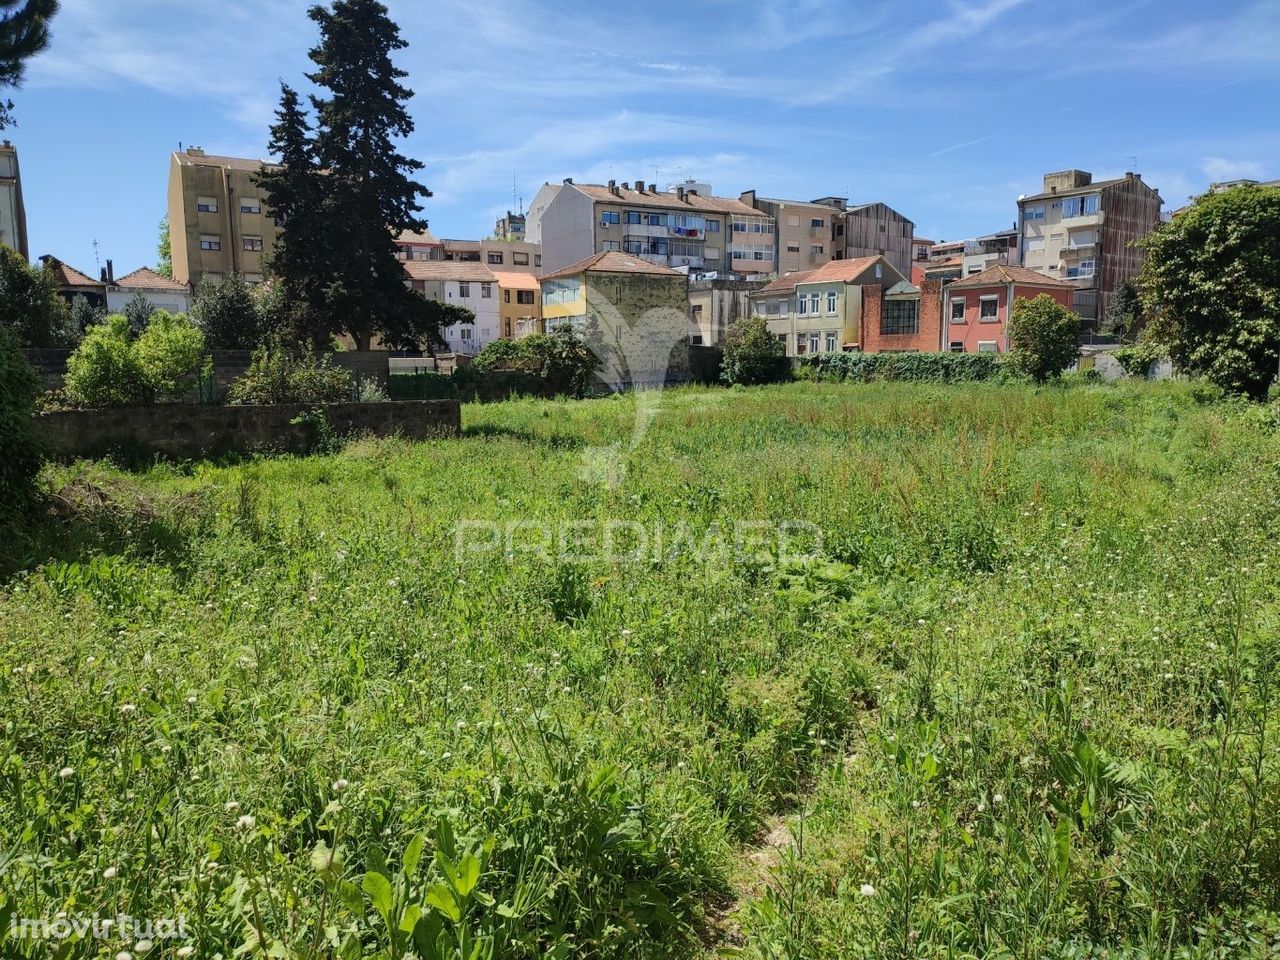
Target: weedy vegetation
[1020,702]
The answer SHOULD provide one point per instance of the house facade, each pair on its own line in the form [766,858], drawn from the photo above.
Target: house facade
[640,308]
[715,303]
[164,293]
[519,304]
[13,215]
[983,252]
[71,283]
[1084,234]
[977,308]
[679,229]
[469,285]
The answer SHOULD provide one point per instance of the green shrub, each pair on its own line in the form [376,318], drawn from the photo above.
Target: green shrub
[29,303]
[753,355]
[506,355]
[372,392]
[171,353]
[229,313]
[915,367]
[19,449]
[1137,359]
[1044,337]
[426,385]
[105,370]
[278,376]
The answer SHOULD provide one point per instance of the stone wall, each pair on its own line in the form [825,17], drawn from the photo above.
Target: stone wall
[644,320]
[191,431]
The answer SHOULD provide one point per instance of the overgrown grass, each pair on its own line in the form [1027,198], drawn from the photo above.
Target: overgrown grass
[1019,703]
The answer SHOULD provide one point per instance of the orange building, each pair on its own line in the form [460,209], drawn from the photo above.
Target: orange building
[976,313]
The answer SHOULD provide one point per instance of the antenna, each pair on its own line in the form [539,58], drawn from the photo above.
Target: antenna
[513,189]
[96,262]
[1133,162]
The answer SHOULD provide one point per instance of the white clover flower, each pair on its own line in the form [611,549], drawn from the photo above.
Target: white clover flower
[66,773]
[915,804]
[246,822]
[109,873]
[127,709]
[393,583]
[867,890]
[981,806]
[626,632]
[339,785]
[230,806]
[186,951]
[997,798]
[124,955]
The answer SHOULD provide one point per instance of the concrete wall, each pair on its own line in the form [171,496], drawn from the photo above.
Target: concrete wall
[568,229]
[644,320]
[192,431]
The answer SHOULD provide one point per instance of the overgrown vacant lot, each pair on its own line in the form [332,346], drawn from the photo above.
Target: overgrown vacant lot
[1022,701]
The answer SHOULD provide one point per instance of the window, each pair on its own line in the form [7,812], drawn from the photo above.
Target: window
[957,311]
[1079,206]
[1034,213]
[989,309]
[900,317]
[793,248]
[520,259]
[831,302]
[879,270]
[801,342]
[525,297]
[957,346]
[559,291]
[633,216]
[713,226]
[1084,268]
[657,219]
[464,290]
[813,342]
[251,243]
[814,299]
[210,243]
[610,216]
[207,204]
[250,205]
[506,296]
[816,222]
[832,337]
[465,331]
[1035,244]
[537,259]
[815,249]
[987,346]
[802,305]
[495,256]
[739,227]
[973,269]
[610,245]
[486,291]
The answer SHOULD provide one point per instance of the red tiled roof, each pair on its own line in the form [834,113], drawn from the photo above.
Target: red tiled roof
[1002,274]
[424,238]
[695,203]
[612,261]
[144,278]
[514,280]
[786,282]
[66,275]
[448,270]
[845,270]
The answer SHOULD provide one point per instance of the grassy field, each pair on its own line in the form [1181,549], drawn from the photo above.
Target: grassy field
[811,671]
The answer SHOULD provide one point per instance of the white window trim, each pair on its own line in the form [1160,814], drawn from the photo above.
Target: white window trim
[833,303]
[989,298]
[963,308]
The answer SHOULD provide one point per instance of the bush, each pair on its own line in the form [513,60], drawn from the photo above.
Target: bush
[171,353]
[1137,359]
[228,314]
[105,370]
[1044,337]
[917,367]
[752,354]
[29,303]
[278,376]
[138,311]
[563,362]
[19,449]
[426,385]
[371,392]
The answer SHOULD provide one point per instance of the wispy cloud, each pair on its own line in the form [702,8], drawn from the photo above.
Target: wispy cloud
[960,146]
[1220,168]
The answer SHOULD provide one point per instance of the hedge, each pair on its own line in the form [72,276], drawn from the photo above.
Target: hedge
[922,367]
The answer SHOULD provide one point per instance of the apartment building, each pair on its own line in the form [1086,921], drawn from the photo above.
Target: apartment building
[680,229]
[163,293]
[982,253]
[519,304]
[510,227]
[470,285]
[1083,233]
[419,245]
[640,308]
[715,303]
[218,220]
[977,307]
[13,215]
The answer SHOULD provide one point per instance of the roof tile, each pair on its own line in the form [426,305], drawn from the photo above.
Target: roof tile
[1002,274]
[612,261]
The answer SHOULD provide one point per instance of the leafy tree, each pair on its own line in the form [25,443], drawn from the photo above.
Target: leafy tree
[277,375]
[138,310]
[84,314]
[1209,286]
[420,322]
[24,32]
[170,353]
[1044,337]
[752,354]
[105,370]
[19,449]
[369,194]
[1124,317]
[164,250]
[29,303]
[227,313]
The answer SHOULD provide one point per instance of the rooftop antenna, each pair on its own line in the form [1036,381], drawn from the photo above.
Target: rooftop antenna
[1133,162]
[96,262]
[513,189]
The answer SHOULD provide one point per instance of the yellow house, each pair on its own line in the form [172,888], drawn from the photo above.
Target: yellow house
[519,304]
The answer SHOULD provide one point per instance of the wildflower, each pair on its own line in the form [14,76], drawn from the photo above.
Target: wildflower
[867,890]
[142,946]
[915,804]
[124,955]
[997,798]
[109,873]
[246,822]
[186,951]
[680,765]
[127,709]
[981,806]
[230,806]
[191,700]
[66,773]
[626,632]
[339,785]
[393,583]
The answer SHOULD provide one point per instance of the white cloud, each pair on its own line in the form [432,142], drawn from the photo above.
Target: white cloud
[1220,168]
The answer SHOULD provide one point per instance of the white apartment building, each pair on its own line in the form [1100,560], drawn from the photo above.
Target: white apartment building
[464,284]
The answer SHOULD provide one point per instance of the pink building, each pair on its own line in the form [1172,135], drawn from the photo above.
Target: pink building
[976,312]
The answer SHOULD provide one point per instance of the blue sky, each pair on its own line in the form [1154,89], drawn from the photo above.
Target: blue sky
[945,110]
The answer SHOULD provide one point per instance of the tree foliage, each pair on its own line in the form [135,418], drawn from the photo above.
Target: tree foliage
[30,306]
[164,250]
[19,448]
[1210,285]
[420,323]
[1044,337]
[138,310]
[343,191]
[228,314]
[113,368]
[752,354]
[171,353]
[564,360]
[84,314]
[278,375]
[24,32]
[1124,318]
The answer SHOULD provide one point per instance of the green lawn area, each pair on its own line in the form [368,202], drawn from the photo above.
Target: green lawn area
[891,670]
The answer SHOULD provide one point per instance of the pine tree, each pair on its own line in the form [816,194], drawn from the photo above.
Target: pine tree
[24,32]
[370,196]
[299,265]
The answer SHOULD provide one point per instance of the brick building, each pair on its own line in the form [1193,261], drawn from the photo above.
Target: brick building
[977,307]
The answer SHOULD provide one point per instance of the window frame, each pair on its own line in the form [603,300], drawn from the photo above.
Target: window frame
[994,300]
[899,326]
[962,304]
[210,243]
[206,204]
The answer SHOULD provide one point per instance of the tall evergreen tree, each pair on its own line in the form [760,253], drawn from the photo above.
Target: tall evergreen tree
[301,262]
[370,194]
[24,32]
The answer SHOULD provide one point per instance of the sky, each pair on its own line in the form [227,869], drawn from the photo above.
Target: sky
[947,110]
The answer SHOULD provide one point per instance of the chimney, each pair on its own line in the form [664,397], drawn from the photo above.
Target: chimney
[680,192]
[103,275]
[626,186]
[195,151]
[568,180]
[691,192]
[653,188]
[640,185]
[111,273]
